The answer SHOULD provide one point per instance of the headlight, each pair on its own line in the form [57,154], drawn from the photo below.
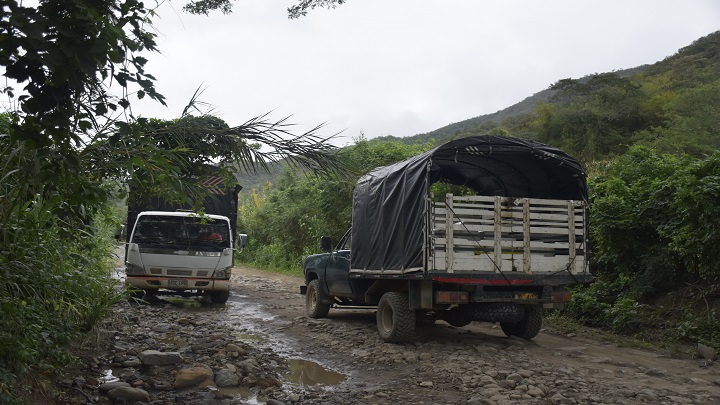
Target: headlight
[223,274]
[134,270]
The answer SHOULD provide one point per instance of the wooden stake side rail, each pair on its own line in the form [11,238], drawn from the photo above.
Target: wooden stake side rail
[479,233]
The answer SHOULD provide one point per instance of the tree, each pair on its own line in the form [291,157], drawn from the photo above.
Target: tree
[225,6]
[595,117]
[66,55]
[286,221]
[70,143]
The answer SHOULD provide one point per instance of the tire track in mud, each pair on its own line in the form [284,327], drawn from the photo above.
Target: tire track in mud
[476,364]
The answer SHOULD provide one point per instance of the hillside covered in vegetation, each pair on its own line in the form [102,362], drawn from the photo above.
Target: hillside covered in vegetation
[649,139]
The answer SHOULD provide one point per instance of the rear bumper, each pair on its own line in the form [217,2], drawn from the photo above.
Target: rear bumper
[177,284]
[510,279]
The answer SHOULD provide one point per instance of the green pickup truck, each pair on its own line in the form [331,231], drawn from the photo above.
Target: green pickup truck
[501,254]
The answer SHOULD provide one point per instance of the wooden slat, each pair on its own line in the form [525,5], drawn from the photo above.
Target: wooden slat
[533,235]
[539,264]
[474,213]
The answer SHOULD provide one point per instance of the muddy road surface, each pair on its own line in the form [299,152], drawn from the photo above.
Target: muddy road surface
[261,348]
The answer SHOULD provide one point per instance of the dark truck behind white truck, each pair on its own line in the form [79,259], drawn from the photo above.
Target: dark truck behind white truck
[500,255]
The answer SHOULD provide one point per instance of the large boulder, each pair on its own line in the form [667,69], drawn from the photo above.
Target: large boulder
[200,375]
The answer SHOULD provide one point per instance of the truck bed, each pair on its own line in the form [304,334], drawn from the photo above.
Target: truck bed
[502,234]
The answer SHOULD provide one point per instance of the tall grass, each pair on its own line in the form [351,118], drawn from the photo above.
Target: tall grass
[54,285]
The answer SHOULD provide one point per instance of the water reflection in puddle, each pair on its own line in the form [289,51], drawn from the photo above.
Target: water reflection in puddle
[306,372]
[241,312]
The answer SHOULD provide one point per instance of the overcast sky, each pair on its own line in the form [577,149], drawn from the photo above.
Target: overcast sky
[404,67]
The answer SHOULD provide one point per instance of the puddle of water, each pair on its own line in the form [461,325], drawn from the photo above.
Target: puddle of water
[242,312]
[182,302]
[306,372]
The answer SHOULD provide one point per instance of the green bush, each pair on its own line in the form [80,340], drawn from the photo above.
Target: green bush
[52,288]
[656,220]
[698,327]
[590,304]
[655,228]
[285,222]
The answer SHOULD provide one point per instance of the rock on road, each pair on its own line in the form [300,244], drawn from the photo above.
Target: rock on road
[261,348]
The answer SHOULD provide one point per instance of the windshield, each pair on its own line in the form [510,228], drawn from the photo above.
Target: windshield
[189,233]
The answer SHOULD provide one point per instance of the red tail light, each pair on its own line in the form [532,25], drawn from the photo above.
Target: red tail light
[452,297]
[561,296]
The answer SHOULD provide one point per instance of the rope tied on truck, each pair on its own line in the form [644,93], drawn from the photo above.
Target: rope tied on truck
[455,215]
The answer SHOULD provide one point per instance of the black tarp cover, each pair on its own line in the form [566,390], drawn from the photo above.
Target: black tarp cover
[389,203]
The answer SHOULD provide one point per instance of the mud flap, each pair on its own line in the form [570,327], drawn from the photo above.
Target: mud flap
[420,294]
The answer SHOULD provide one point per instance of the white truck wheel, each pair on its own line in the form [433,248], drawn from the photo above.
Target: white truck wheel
[219,297]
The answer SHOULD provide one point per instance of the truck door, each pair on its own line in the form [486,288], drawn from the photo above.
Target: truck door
[337,272]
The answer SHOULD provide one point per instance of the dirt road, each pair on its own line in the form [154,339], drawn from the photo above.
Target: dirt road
[261,348]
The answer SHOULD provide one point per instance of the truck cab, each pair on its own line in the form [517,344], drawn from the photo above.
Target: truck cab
[332,270]
[180,252]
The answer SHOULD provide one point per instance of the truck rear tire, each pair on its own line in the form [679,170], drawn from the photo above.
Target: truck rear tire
[529,327]
[395,319]
[219,297]
[314,305]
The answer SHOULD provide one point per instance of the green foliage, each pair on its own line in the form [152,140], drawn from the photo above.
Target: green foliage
[301,9]
[589,305]
[593,118]
[52,287]
[206,6]
[655,229]
[669,105]
[655,220]
[691,121]
[694,65]
[285,222]
[698,327]
[63,94]
[225,6]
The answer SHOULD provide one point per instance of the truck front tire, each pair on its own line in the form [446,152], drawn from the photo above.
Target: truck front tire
[219,297]
[529,327]
[314,306]
[395,319]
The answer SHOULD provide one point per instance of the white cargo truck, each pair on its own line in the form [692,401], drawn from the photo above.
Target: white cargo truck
[171,250]
[180,252]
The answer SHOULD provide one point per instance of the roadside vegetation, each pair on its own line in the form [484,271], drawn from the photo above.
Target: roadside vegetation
[650,144]
[286,220]
[70,145]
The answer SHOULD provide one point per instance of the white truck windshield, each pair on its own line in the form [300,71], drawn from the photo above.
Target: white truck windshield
[191,233]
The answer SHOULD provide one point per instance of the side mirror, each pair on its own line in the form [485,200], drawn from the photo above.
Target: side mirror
[325,244]
[120,233]
[241,240]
